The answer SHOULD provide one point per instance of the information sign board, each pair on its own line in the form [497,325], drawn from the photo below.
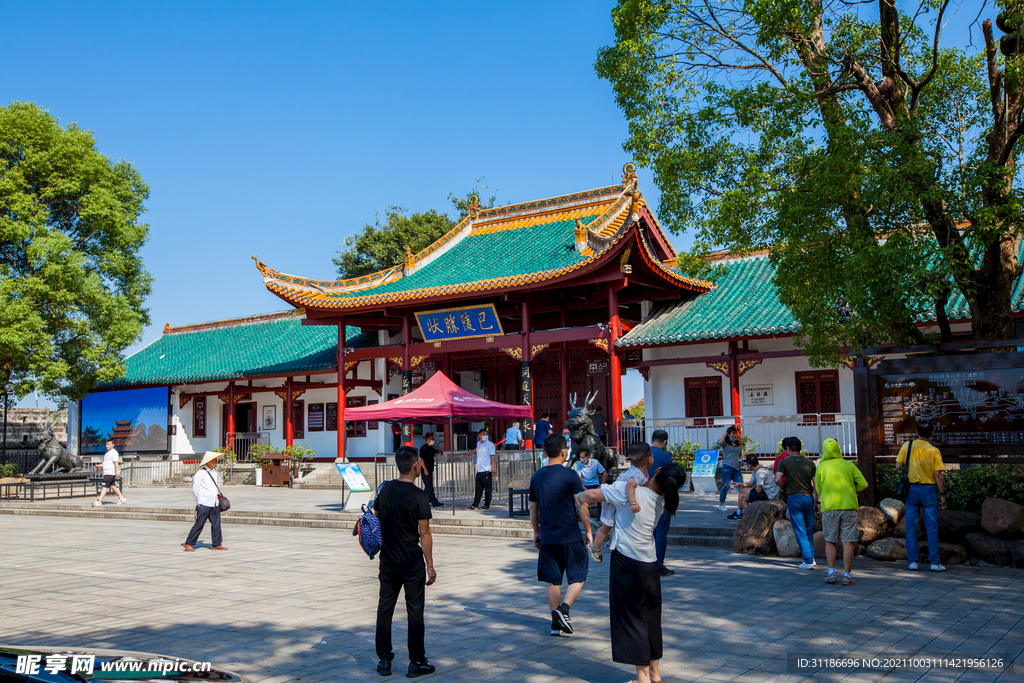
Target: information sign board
[353,476]
[705,462]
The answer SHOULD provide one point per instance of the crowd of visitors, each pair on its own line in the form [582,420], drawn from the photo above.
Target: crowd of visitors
[636,510]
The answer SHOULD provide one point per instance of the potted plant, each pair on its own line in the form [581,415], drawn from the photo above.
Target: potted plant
[226,466]
[299,456]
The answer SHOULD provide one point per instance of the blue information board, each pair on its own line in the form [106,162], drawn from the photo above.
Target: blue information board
[459,323]
[705,462]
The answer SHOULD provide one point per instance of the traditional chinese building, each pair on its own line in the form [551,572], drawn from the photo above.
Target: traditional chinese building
[530,299]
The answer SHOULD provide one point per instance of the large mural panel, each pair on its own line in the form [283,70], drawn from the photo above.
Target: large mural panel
[136,419]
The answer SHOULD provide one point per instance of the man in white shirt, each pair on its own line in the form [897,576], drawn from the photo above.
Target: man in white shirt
[111,471]
[205,489]
[486,463]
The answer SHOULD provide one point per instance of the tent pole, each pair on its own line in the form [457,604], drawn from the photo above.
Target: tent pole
[451,472]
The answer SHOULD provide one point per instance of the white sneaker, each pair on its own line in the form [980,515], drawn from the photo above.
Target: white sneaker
[912,566]
[938,568]
[96,502]
[806,565]
[722,508]
[122,501]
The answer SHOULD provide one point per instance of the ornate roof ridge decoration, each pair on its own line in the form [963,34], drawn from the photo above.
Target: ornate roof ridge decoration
[658,266]
[618,207]
[550,204]
[235,322]
[513,351]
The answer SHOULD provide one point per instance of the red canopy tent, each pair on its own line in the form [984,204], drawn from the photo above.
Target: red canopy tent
[437,399]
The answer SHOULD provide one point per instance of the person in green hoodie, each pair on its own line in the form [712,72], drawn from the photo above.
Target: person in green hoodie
[836,483]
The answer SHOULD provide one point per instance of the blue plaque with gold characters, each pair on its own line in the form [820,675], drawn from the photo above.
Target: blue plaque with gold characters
[467,322]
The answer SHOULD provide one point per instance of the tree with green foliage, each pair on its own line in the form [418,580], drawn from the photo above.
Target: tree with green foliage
[72,284]
[382,245]
[877,165]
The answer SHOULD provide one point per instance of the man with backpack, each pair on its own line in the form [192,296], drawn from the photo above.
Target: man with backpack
[925,472]
[406,560]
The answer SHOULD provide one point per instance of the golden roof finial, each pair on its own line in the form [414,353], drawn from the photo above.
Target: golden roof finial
[410,261]
[473,206]
[629,173]
[167,328]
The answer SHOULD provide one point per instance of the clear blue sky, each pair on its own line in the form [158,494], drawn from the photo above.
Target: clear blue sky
[278,129]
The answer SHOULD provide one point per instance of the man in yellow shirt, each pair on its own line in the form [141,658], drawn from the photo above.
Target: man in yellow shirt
[925,472]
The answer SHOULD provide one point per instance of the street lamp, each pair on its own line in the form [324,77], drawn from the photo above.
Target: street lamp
[8,388]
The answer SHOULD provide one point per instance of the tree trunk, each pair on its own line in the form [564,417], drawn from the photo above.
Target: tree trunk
[990,292]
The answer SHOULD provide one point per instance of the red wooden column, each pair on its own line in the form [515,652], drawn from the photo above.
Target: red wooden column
[231,417]
[566,358]
[526,377]
[446,368]
[734,384]
[341,388]
[289,410]
[614,367]
[406,371]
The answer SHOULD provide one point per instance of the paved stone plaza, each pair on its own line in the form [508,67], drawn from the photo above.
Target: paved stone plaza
[287,604]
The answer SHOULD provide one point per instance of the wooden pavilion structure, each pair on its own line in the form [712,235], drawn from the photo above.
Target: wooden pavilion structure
[533,295]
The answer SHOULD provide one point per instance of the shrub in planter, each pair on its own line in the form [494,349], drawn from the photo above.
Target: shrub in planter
[8,470]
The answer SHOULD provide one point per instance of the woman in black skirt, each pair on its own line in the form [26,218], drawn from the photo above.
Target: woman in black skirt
[635,585]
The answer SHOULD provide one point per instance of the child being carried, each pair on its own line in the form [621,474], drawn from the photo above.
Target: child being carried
[640,459]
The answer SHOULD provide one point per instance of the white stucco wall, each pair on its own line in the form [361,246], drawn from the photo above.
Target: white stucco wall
[665,390]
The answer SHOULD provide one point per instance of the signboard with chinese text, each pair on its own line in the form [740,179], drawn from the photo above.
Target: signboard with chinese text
[331,418]
[976,410]
[758,394]
[468,322]
[597,367]
[315,418]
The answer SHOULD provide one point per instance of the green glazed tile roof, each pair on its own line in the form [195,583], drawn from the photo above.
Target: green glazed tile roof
[238,349]
[498,249]
[746,304]
[488,255]
[743,303]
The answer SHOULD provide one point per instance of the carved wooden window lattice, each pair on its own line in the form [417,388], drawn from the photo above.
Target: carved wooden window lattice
[817,392]
[704,397]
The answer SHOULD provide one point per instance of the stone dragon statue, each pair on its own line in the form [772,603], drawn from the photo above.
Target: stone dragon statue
[55,457]
[581,429]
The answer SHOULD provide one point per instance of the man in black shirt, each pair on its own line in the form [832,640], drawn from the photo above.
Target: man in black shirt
[404,513]
[427,455]
[555,513]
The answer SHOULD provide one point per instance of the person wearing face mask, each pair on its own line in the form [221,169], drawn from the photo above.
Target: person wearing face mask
[427,455]
[486,463]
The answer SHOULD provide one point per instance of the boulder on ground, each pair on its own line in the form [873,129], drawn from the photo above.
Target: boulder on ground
[872,524]
[954,525]
[949,553]
[901,530]
[819,547]
[785,539]
[1002,519]
[753,534]
[890,549]
[996,551]
[893,509]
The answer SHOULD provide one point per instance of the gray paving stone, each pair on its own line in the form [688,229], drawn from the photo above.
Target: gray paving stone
[298,604]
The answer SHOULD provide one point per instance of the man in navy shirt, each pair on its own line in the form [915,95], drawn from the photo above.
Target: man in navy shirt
[662,458]
[541,429]
[554,514]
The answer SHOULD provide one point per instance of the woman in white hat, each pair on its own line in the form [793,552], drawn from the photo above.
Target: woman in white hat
[205,489]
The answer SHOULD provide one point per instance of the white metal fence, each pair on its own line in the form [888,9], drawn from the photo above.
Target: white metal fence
[242,443]
[172,473]
[765,431]
[455,477]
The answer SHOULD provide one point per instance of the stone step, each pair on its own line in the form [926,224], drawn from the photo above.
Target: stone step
[441,523]
[342,524]
[701,541]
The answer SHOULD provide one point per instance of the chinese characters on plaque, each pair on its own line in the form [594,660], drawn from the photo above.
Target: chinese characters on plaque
[459,323]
